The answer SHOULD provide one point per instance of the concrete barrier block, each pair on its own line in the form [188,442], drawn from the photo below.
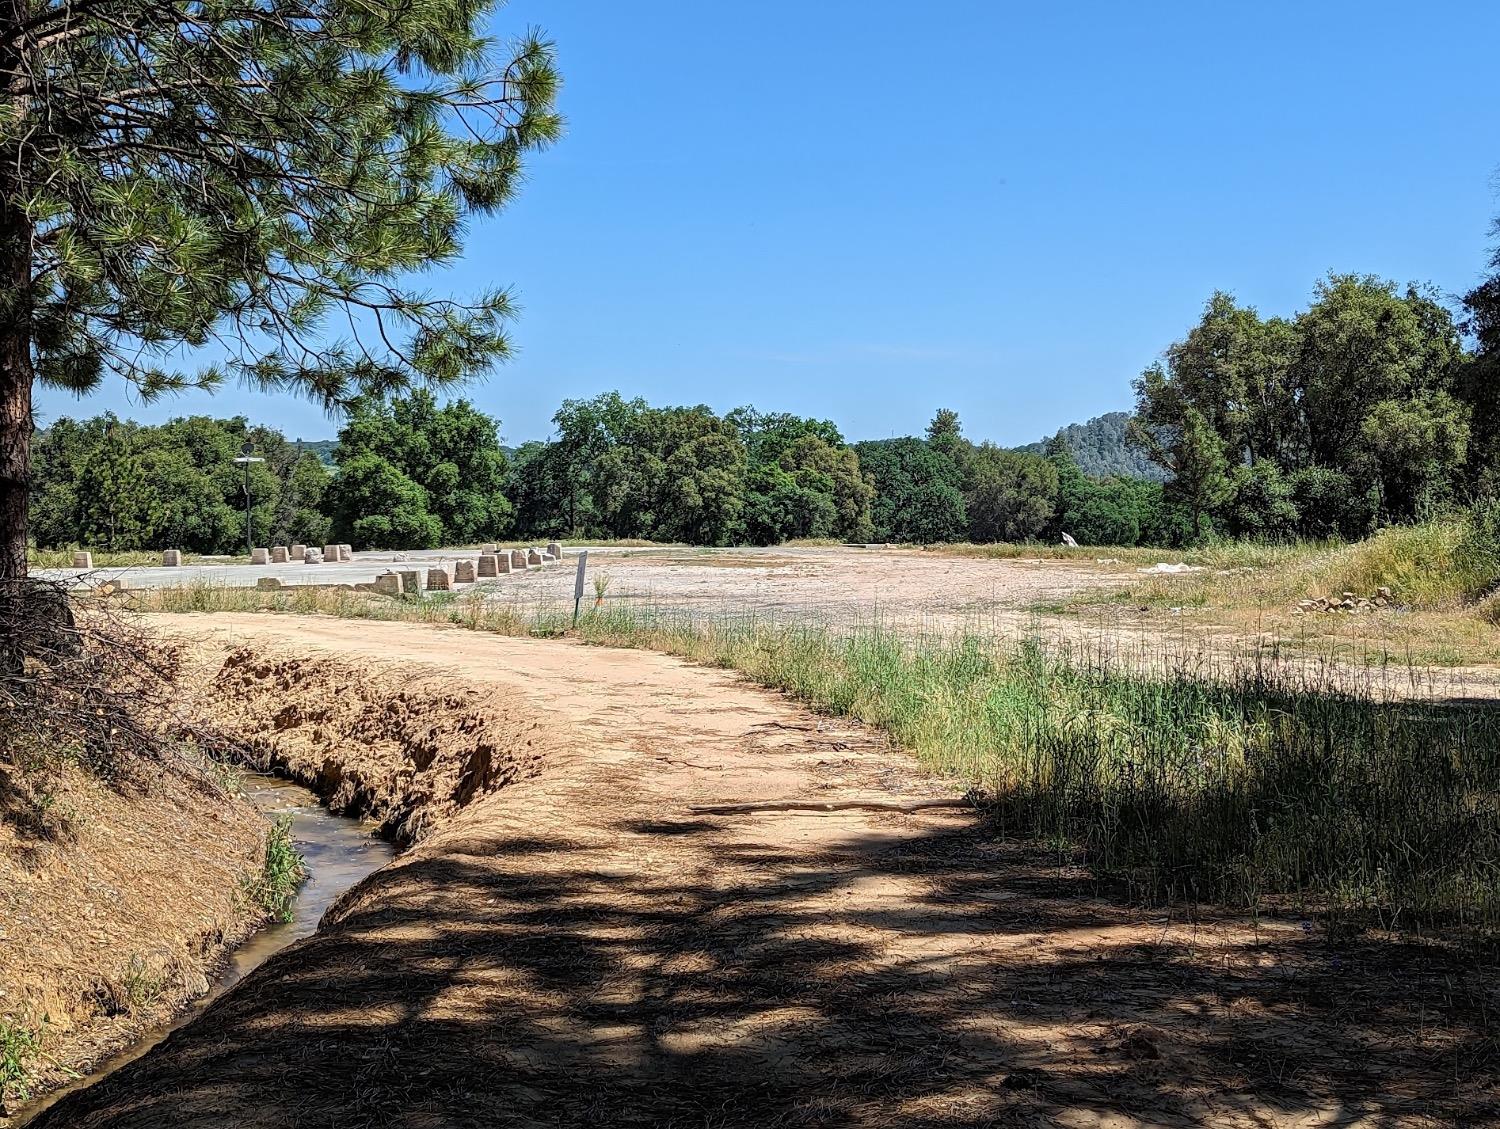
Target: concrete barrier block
[489,565]
[411,580]
[260,556]
[83,560]
[330,553]
[312,556]
[172,558]
[533,558]
[489,548]
[278,554]
[389,584]
[502,563]
[297,552]
[518,560]
[463,572]
[346,552]
[439,579]
[556,550]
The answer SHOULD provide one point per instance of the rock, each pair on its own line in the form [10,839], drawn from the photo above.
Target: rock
[297,552]
[488,565]
[260,556]
[389,584]
[438,579]
[172,558]
[312,556]
[278,554]
[1067,539]
[83,560]
[1381,602]
[463,572]
[1348,595]
[267,582]
[1384,593]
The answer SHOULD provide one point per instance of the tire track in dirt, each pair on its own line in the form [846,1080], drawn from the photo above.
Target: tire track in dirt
[575,948]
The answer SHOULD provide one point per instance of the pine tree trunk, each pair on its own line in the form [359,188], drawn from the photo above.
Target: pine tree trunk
[15,342]
[15,391]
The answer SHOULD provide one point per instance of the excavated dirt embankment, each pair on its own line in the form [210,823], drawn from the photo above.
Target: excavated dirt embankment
[404,747]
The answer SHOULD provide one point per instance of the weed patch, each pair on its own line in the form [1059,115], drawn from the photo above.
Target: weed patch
[274,889]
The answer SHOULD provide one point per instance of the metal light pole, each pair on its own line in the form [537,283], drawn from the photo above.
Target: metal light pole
[247,458]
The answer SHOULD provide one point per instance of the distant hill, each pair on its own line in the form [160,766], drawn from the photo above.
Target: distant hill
[1100,448]
[323,448]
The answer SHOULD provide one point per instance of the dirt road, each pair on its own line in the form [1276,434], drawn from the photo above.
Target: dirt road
[566,944]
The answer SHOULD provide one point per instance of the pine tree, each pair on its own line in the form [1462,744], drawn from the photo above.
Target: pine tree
[253,175]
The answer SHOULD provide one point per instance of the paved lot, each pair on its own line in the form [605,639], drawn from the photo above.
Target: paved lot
[364,568]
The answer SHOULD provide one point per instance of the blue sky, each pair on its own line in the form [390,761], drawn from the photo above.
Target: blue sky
[866,211]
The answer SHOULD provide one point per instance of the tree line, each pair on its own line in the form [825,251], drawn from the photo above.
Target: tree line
[1376,404]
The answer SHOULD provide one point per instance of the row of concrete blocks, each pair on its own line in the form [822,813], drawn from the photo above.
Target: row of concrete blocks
[281,554]
[440,578]
[277,554]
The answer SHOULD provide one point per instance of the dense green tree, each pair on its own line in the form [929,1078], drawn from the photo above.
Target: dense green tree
[1478,384]
[253,174]
[917,491]
[1094,512]
[767,434]
[1012,495]
[451,451]
[1260,503]
[376,506]
[299,514]
[1364,343]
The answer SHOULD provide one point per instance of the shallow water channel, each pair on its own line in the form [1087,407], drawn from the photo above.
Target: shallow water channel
[338,851]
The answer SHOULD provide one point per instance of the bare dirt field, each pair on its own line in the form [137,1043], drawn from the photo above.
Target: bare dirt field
[568,944]
[911,588]
[929,591]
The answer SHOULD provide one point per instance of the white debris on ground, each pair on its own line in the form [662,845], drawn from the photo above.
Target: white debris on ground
[1163,568]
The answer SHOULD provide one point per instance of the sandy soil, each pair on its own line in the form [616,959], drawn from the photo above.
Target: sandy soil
[577,948]
[122,910]
[907,587]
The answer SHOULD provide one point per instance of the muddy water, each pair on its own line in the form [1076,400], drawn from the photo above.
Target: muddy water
[339,852]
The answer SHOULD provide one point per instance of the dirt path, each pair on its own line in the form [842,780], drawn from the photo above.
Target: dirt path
[574,948]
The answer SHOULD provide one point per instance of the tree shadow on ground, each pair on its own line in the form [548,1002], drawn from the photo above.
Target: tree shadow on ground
[943,979]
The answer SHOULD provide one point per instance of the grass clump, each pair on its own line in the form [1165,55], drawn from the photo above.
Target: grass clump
[19,1046]
[283,870]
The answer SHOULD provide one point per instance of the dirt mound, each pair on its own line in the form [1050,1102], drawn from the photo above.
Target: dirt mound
[405,747]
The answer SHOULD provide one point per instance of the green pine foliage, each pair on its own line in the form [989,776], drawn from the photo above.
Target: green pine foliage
[262,178]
